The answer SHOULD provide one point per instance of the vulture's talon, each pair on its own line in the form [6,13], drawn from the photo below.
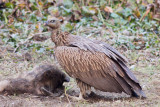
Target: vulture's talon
[74,98]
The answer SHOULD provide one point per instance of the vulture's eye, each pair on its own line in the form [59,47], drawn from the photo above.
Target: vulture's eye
[52,21]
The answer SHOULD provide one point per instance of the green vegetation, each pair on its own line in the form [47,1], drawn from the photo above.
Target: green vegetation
[131,23]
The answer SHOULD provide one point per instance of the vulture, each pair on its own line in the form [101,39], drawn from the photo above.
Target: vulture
[92,63]
[44,79]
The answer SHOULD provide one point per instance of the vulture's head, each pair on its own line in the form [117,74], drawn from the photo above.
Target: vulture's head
[54,22]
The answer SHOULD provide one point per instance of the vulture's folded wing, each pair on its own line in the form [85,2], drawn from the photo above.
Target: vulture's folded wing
[95,69]
[97,46]
[121,60]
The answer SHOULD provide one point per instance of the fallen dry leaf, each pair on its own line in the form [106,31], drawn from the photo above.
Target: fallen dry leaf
[147,11]
[108,9]
[137,13]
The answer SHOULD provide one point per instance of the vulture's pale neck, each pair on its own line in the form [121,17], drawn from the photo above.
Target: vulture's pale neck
[59,37]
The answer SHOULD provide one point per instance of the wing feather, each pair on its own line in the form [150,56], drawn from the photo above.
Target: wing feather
[99,46]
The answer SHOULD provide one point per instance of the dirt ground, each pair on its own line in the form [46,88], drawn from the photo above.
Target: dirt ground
[144,64]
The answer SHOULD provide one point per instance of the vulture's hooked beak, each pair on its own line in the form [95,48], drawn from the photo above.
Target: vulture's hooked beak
[46,23]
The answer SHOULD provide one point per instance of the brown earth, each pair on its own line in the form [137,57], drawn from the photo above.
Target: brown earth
[144,64]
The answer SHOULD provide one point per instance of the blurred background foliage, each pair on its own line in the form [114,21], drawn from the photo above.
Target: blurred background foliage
[129,24]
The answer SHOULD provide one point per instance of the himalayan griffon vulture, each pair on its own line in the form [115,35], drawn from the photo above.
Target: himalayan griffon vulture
[93,63]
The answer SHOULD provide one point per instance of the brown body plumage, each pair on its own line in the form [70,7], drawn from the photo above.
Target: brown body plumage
[93,63]
[42,80]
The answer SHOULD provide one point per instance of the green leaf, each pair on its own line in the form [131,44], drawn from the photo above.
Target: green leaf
[9,5]
[41,50]
[114,15]
[88,10]
[5,17]
[68,3]
[32,1]
[53,10]
[65,11]
[127,12]
[150,1]
[67,27]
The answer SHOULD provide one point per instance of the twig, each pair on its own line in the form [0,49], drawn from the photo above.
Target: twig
[2,96]
[13,11]
[50,93]
[100,15]
[30,37]
[93,34]
[82,2]
[39,8]
[147,11]
[1,26]
[156,35]
[112,33]
[40,33]
[67,97]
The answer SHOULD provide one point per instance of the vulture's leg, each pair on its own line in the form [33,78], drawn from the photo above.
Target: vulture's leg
[84,89]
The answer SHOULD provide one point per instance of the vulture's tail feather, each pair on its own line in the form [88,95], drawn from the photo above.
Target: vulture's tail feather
[138,94]
[132,81]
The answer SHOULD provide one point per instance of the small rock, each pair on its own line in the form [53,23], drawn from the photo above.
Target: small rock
[27,56]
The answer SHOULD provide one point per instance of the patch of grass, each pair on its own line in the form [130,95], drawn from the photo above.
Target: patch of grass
[148,80]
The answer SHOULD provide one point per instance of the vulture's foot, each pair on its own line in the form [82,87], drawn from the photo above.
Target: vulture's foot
[80,98]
